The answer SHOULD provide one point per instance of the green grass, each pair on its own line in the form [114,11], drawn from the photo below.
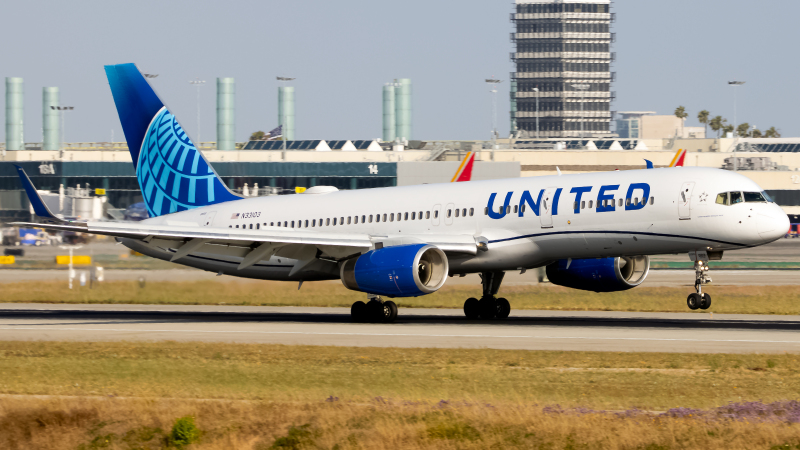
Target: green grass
[726,299]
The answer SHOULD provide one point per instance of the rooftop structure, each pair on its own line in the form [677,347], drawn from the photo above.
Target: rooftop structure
[562,84]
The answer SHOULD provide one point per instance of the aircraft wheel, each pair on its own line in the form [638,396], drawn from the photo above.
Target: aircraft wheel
[358,311]
[503,308]
[488,308]
[693,301]
[705,302]
[472,308]
[389,312]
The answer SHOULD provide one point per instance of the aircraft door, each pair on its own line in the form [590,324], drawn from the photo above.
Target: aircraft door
[546,208]
[435,215]
[206,219]
[685,201]
[448,214]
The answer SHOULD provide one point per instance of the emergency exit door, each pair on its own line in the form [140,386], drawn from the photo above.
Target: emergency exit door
[685,201]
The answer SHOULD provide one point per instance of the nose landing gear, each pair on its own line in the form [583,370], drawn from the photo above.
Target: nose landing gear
[699,300]
[489,306]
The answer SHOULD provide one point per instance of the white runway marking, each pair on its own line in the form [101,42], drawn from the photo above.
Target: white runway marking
[306,333]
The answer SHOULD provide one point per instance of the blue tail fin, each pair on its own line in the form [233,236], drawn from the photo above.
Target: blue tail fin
[173,175]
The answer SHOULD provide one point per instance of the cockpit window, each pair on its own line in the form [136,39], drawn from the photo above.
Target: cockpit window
[736,197]
[766,196]
[754,197]
[722,199]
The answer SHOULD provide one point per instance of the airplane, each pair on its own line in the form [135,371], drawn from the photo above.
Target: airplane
[593,232]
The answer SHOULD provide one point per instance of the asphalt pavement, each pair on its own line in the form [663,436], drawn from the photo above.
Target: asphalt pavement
[528,330]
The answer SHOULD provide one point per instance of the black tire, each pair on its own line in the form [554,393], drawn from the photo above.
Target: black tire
[503,308]
[374,311]
[472,308]
[488,308]
[705,302]
[389,311]
[693,301]
[358,311]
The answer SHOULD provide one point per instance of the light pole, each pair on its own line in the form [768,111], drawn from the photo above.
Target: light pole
[62,109]
[583,88]
[735,84]
[284,129]
[536,90]
[197,82]
[492,82]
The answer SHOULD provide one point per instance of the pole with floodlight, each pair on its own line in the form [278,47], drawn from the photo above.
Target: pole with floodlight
[197,82]
[735,84]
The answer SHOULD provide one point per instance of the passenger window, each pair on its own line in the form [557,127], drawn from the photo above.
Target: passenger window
[341,221]
[313,223]
[355,220]
[620,202]
[436,214]
[508,209]
[420,215]
[736,197]
[636,200]
[306,224]
[464,211]
[413,216]
[384,217]
[457,212]
[348,220]
[363,219]
[472,211]
[334,221]
[230,226]
[591,203]
[370,218]
[486,211]
[652,200]
[583,204]
[272,224]
[405,216]
[391,217]
[574,205]
[327,222]
[258,226]
[449,213]
[627,202]
[722,199]
[237,226]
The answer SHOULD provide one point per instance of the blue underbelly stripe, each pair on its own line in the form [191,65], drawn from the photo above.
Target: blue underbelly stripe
[616,232]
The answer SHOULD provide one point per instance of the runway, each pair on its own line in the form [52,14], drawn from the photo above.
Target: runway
[525,330]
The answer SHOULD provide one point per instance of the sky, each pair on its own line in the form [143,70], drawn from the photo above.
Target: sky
[669,53]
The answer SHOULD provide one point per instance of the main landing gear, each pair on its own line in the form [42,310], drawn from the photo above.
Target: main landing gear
[375,310]
[699,300]
[489,306]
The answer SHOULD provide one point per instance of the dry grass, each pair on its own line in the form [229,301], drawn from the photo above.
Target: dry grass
[727,299]
[131,423]
[128,395]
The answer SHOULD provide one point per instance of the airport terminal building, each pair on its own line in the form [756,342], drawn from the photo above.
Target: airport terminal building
[562,83]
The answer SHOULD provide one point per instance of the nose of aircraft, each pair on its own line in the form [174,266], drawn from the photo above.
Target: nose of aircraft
[772,224]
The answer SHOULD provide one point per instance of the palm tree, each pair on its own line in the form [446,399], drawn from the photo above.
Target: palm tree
[772,133]
[756,133]
[680,113]
[743,130]
[727,129]
[717,123]
[702,117]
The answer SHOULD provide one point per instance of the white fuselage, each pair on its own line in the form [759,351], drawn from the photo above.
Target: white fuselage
[680,215]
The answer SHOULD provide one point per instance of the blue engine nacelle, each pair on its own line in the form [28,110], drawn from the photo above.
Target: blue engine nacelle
[600,275]
[399,271]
